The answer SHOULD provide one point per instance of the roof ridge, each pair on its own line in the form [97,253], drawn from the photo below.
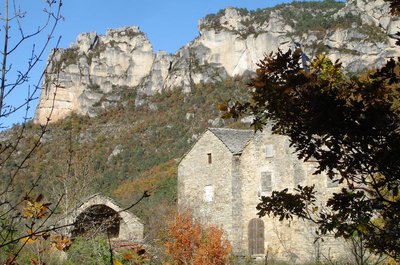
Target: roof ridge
[236,140]
[232,129]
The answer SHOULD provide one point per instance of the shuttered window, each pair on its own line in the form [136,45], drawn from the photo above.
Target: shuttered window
[299,175]
[256,236]
[269,150]
[208,193]
[266,181]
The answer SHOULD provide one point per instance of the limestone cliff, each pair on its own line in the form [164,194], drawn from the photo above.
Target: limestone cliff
[97,71]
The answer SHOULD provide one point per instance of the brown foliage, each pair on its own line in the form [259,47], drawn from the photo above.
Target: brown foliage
[214,248]
[190,244]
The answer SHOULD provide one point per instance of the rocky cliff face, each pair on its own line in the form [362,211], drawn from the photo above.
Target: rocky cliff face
[97,71]
[87,72]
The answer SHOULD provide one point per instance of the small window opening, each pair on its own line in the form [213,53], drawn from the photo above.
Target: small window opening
[208,193]
[209,158]
[269,150]
[266,182]
[299,175]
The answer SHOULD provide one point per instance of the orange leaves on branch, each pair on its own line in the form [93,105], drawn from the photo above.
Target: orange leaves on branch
[214,248]
[136,254]
[32,236]
[185,237]
[35,209]
[190,244]
[29,239]
[60,242]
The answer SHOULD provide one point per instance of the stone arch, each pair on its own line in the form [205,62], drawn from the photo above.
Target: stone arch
[97,219]
[256,236]
[102,214]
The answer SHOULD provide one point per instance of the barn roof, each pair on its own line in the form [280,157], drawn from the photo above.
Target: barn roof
[234,140]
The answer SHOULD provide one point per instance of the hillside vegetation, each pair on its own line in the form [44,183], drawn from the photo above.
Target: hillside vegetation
[124,151]
[302,16]
[133,140]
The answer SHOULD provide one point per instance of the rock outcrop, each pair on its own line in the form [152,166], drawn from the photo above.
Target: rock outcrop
[97,71]
[88,71]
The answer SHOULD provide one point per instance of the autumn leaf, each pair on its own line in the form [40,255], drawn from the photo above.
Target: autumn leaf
[28,240]
[116,262]
[222,107]
[31,238]
[191,244]
[35,209]
[128,256]
[60,242]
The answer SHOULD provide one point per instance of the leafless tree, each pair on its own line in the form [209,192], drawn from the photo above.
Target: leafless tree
[19,39]
[25,216]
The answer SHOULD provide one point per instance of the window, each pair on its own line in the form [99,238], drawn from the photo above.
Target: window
[298,174]
[209,158]
[266,181]
[256,236]
[269,150]
[208,193]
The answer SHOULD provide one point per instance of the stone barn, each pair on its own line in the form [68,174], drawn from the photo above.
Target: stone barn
[222,178]
[101,215]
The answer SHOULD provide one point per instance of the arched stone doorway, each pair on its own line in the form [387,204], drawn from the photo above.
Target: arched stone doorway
[256,236]
[100,214]
[95,220]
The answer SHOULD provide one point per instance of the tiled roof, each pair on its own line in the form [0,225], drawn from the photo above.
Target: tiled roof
[234,139]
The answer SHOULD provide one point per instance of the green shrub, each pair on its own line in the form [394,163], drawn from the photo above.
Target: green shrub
[84,251]
[68,56]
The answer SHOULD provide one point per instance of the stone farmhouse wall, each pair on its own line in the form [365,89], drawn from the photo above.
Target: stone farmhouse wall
[195,173]
[237,186]
[290,240]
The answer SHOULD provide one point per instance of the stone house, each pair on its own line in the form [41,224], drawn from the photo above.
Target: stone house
[222,178]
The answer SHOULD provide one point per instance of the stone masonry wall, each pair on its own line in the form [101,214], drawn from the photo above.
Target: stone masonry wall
[236,181]
[195,173]
[130,226]
[288,240]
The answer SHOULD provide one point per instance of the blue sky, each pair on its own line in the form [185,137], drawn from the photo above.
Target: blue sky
[169,24]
